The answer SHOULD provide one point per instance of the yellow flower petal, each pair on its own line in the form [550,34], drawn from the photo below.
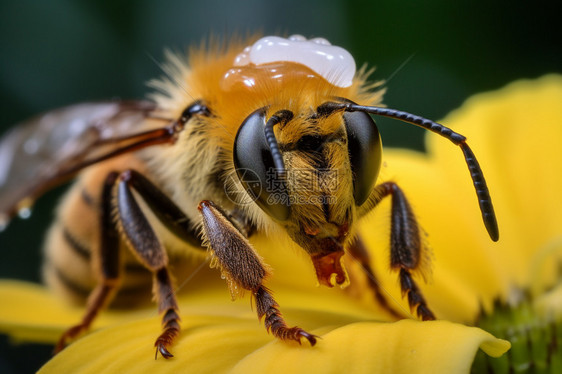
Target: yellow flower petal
[208,345]
[402,347]
[31,313]
[238,345]
[514,133]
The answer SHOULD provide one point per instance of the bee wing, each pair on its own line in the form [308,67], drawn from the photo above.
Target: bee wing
[51,148]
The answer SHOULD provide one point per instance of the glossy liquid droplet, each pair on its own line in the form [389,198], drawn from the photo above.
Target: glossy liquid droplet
[24,213]
[331,62]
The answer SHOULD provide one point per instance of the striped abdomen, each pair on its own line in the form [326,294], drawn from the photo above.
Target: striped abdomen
[71,264]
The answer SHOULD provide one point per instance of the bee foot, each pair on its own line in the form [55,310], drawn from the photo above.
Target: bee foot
[160,347]
[293,333]
[166,339]
[311,338]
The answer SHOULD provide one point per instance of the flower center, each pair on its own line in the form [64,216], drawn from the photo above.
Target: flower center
[535,339]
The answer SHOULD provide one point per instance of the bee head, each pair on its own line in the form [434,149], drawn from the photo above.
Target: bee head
[310,175]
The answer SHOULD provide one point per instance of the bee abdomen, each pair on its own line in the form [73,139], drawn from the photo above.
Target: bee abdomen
[78,248]
[72,266]
[70,271]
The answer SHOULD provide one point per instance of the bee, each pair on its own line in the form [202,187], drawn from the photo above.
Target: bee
[276,136]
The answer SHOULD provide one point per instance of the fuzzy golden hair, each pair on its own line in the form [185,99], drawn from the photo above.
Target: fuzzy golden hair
[201,76]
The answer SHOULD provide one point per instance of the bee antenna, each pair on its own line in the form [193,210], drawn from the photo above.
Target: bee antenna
[482,192]
[280,116]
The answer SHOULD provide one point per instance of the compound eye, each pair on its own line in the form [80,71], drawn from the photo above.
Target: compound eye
[365,153]
[256,170]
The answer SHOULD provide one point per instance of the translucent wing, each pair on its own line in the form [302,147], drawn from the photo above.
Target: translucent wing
[52,148]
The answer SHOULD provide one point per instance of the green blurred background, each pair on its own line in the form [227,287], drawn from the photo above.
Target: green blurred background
[58,52]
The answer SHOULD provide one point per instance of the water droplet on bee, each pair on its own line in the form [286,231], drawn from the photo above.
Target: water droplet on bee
[24,213]
[24,208]
[222,276]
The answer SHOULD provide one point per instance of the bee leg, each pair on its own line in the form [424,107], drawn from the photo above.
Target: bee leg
[358,251]
[244,270]
[108,263]
[163,207]
[150,252]
[405,247]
